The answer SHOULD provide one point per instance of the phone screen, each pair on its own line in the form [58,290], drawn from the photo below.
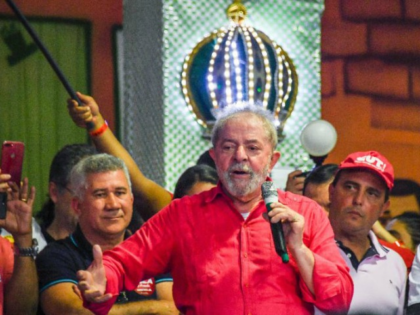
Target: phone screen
[12,159]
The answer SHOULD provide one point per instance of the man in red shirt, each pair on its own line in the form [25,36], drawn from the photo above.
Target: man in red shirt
[219,248]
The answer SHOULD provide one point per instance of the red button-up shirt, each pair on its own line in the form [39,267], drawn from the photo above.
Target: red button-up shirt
[223,264]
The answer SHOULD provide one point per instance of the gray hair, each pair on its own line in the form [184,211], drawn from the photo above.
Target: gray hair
[98,163]
[265,116]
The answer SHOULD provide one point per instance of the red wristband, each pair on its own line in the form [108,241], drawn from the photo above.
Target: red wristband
[99,131]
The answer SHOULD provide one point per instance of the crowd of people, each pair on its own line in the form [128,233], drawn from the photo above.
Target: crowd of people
[110,240]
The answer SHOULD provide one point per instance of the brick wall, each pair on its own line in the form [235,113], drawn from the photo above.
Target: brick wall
[371,79]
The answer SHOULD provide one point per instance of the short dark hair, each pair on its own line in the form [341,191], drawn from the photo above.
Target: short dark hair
[60,169]
[406,187]
[320,175]
[192,175]
[64,161]
[206,159]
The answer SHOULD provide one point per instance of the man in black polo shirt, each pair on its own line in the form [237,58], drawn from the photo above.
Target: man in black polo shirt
[103,203]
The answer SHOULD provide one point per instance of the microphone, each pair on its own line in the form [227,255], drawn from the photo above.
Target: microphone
[270,195]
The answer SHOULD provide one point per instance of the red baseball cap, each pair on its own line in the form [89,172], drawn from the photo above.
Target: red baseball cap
[373,161]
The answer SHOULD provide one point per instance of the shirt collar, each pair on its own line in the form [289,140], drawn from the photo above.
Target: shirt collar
[375,249]
[79,240]
[381,250]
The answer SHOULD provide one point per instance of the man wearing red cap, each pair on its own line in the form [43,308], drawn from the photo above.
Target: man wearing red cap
[359,195]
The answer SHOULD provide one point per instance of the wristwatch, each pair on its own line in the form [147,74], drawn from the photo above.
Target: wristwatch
[27,251]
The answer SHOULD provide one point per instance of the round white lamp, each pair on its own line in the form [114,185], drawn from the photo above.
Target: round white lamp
[318,138]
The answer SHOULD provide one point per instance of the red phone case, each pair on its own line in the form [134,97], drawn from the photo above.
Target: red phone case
[12,159]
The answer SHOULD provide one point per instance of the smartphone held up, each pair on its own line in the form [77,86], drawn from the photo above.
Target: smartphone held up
[11,163]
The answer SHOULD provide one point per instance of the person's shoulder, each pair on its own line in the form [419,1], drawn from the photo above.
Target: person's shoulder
[202,197]
[300,203]
[394,257]
[292,197]
[406,254]
[54,249]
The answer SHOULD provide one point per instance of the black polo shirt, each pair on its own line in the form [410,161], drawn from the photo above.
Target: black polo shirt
[60,261]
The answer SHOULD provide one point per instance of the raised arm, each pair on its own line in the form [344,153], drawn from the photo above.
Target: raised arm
[164,304]
[325,280]
[155,197]
[92,284]
[21,292]
[293,225]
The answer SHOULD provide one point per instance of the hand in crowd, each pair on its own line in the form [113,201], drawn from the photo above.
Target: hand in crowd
[81,115]
[4,180]
[295,182]
[18,219]
[92,282]
[293,223]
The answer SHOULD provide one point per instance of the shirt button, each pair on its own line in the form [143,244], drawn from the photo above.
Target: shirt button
[246,285]
[245,255]
[349,255]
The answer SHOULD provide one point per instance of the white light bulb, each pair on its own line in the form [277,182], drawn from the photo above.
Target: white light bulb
[318,137]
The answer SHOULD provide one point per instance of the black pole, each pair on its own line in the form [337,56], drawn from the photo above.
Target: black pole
[44,50]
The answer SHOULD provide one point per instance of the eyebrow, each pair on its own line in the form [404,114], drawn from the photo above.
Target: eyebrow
[358,185]
[250,141]
[119,188]
[348,181]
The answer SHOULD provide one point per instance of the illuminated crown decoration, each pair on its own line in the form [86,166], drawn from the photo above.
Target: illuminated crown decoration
[238,63]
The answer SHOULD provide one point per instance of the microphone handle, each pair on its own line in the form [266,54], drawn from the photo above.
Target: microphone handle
[279,242]
[278,238]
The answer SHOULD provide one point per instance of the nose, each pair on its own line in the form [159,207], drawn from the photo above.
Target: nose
[112,201]
[240,154]
[358,197]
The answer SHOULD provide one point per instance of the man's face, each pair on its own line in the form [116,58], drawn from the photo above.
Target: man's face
[243,156]
[357,201]
[107,205]
[319,193]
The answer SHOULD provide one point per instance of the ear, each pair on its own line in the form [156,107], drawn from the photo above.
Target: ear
[53,191]
[212,154]
[385,207]
[331,190]
[274,159]
[75,205]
